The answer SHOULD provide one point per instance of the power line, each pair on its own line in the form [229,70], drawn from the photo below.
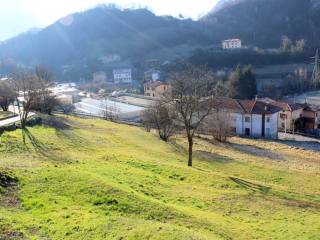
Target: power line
[315,79]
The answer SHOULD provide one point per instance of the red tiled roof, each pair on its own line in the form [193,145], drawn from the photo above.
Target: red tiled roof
[288,106]
[228,103]
[246,106]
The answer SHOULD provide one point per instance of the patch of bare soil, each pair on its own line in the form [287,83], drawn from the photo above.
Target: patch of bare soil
[8,190]
[8,234]
[9,198]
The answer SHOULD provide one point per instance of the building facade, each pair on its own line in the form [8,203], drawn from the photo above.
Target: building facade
[250,118]
[311,118]
[156,89]
[152,76]
[232,44]
[122,76]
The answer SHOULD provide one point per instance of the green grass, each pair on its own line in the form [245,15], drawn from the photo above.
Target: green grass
[100,180]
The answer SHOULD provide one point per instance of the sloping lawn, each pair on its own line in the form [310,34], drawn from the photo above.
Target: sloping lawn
[92,179]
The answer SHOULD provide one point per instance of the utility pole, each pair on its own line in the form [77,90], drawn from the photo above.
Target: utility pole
[315,79]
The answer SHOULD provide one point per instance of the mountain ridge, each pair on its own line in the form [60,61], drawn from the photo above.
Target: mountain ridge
[72,46]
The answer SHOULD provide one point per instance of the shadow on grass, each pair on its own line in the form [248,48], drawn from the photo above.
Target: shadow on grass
[251,186]
[287,198]
[212,157]
[64,130]
[41,148]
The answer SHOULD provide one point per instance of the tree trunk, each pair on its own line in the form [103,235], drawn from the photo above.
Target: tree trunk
[190,141]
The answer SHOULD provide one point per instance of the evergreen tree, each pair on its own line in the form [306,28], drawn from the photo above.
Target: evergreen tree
[233,84]
[248,84]
[242,83]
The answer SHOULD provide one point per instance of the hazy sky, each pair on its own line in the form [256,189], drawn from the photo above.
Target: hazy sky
[17,16]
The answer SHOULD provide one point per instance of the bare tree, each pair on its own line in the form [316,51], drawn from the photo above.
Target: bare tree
[160,117]
[218,125]
[191,97]
[46,102]
[7,95]
[27,89]
[110,110]
[33,94]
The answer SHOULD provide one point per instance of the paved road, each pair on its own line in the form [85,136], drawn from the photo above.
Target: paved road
[12,120]
[298,138]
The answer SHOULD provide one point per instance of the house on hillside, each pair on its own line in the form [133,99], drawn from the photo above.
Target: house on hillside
[156,89]
[152,75]
[290,114]
[311,119]
[251,118]
[122,76]
[232,44]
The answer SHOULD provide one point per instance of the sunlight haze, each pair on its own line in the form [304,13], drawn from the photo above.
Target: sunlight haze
[17,16]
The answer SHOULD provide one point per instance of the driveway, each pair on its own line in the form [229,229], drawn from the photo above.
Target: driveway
[299,138]
[12,120]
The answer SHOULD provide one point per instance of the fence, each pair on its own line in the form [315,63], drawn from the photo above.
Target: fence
[89,115]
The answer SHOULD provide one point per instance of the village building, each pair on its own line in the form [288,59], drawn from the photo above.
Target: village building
[110,58]
[311,119]
[251,118]
[152,75]
[122,76]
[290,114]
[156,89]
[232,44]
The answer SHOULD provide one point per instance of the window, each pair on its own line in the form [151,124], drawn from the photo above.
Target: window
[247,119]
[283,116]
[283,125]
[268,119]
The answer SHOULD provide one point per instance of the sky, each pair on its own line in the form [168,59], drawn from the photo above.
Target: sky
[17,16]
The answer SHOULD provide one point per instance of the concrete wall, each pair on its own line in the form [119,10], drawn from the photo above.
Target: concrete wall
[271,127]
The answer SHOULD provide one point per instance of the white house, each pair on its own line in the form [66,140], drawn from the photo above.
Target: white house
[152,75]
[110,58]
[123,76]
[232,44]
[290,113]
[251,118]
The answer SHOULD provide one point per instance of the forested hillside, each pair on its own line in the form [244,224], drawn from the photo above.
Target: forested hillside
[76,43]
[264,22]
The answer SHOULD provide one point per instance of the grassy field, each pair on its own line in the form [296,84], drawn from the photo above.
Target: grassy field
[92,179]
